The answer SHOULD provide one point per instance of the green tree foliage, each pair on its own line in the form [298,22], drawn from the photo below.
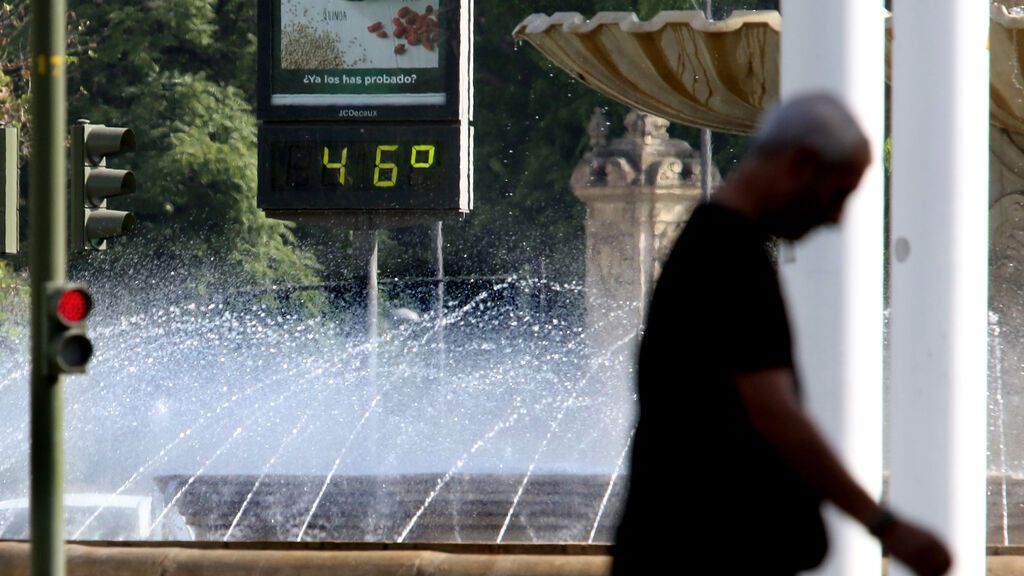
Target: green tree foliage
[530,132]
[13,63]
[530,125]
[14,109]
[181,73]
[13,306]
[719,8]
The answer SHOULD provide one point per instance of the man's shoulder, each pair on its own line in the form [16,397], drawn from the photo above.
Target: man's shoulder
[716,237]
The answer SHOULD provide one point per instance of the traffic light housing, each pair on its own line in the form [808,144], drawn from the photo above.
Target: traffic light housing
[9,193]
[91,223]
[68,347]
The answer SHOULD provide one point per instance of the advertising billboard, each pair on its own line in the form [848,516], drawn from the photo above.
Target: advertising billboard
[339,60]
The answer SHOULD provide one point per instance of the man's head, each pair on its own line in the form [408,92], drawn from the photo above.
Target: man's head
[806,159]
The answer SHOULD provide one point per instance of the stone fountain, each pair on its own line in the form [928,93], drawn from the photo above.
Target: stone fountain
[721,75]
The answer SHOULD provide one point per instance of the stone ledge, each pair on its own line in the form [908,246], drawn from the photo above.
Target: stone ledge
[330,559]
[1005,566]
[110,560]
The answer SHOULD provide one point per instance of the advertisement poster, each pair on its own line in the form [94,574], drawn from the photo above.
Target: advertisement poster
[359,53]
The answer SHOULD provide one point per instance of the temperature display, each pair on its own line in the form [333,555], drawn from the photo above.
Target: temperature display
[371,168]
[377,165]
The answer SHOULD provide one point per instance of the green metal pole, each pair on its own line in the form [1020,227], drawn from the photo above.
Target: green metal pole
[48,218]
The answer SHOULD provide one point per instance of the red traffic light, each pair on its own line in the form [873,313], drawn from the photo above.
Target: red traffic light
[74,306]
[68,346]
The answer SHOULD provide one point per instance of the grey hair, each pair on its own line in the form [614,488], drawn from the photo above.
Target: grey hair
[816,120]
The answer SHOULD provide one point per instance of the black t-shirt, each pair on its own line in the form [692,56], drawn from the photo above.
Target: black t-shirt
[717,311]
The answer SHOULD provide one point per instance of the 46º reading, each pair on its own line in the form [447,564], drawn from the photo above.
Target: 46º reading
[366,167]
[389,163]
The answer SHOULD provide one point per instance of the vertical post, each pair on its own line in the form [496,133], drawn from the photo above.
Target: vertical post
[9,235]
[542,300]
[705,165]
[366,247]
[372,310]
[705,144]
[940,115]
[834,278]
[364,256]
[372,294]
[48,209]
[438,237]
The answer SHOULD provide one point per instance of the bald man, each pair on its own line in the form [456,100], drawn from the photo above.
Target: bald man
[727,469]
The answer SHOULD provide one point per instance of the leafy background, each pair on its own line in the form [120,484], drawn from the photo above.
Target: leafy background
[182,74]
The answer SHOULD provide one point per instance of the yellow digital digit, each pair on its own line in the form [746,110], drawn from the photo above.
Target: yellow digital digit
[393,178]
[415,160]
[339,166]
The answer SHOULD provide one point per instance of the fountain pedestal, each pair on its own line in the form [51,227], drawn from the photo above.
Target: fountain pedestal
[640,191]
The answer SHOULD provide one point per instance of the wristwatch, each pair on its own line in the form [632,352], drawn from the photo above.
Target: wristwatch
[881,523]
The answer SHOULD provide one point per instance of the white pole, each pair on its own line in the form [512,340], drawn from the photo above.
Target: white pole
[705,144]
[940,269]
[834,279]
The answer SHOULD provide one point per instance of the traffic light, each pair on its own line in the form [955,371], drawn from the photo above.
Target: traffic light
[91,223]
[68,348]
[9,194]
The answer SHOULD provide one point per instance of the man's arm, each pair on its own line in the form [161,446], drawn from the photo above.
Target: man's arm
[769,397]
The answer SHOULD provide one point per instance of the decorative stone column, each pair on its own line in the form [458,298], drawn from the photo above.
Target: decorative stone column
[639,190]
[1006,336]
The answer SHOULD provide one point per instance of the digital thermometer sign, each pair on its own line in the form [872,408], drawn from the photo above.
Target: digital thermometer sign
[340,168]
[364,110]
